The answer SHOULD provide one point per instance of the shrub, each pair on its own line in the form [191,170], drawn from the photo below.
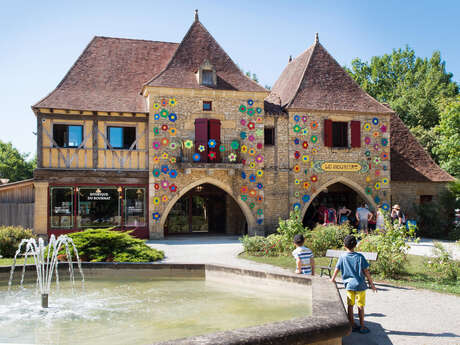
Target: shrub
[109,245]
[254,245]
[10,237]
[328,237]
[443,264]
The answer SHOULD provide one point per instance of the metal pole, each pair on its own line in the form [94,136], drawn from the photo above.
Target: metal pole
[45,300]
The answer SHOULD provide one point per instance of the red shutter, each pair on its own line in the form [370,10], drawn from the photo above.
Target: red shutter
[328,133]
[355,133]
[201,138]
[214,133]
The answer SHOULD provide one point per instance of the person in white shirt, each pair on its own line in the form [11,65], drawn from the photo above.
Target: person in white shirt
[363,216]
[305,264]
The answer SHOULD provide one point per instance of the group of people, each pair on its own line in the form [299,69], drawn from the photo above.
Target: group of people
[363,217]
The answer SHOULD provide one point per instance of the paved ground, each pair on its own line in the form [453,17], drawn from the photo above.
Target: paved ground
[425,247]
[395,315]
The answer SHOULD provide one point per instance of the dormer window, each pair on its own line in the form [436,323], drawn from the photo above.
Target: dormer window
[206,74]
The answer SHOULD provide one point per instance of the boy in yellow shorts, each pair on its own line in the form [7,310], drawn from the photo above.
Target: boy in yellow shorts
[354,268]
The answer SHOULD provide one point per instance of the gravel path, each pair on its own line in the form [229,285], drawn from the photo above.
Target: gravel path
[395,315]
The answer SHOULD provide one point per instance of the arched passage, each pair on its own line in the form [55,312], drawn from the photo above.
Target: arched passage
[207,206]
[334,194]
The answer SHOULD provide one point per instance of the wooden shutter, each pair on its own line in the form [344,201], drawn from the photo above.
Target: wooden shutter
[328,133]
[201,138]
[214,133]
[355,133]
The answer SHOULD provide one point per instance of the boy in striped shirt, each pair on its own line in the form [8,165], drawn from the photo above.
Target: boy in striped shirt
[305,264]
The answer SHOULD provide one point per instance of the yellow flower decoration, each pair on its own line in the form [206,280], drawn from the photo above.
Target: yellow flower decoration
[314,150]
[188,144]
[377,186]
[156,159]
[164,155]
[305,158]
[368,179]
[172,131]
[156,106]
[259,120]
[156,200]
[385,181]
[252,165]
[172,102]
[260,173]
[306,185]
[367,126]
[251,151]
[244,148]
[297,181]
[164,198]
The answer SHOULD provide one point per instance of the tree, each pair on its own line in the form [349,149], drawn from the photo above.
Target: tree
[412,86]
[13,164]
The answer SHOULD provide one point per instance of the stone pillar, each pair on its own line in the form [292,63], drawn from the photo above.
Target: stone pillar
[41,209]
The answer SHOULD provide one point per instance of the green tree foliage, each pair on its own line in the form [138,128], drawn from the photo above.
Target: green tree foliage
[10,237]
[14,165]
[411,85]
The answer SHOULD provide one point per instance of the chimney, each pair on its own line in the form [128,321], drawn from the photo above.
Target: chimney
[196,15]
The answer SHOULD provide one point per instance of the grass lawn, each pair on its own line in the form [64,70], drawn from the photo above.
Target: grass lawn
[417,273]
[9,261]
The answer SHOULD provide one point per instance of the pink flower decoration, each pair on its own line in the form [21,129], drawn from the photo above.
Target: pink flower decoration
[243,122]
[259,158]
[367,140]
[165,184]
[251,138]
[259,146]
[376,147]
[383,129]
[377,173]
[304,118]
[156,145]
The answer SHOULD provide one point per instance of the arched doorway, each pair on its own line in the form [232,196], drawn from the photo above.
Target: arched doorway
[205,209]
[333,196]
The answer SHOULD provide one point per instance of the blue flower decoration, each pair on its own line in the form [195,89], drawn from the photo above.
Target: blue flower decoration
[296,118]
[173,173]
[385,206]
[172,117]
[156,116]
[258,110]
[296,206]
[384,167]
[375,121]
[156,216]
[243,135]
[243,175]
[196,157]
[252,178]
[164,169]
[296,141]
[212,143]
[306,198]
[377,199]
[260,185]
[260,221]
[250,102]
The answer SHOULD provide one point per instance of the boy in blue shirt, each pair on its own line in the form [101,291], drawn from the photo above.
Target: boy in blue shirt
[305,264]
[354,269]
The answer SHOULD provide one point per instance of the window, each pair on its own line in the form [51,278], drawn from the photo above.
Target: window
[207,77]
[98,207]
[121,137]
[340,134]
[207,105]
[206,129]
[269,134]
[134,207]
[67,135]
[424,199]
[61,207]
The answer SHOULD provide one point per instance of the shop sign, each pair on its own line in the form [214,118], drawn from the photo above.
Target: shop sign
[95,196]
[340,166]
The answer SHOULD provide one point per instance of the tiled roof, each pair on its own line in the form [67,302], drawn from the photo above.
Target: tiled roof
[315,81]
[109,75]
[197,46]
[409,161]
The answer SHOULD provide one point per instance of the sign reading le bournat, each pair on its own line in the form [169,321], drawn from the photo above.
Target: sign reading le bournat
[340,166]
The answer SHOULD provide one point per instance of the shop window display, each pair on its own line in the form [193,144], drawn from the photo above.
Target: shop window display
[61,207]
[98,207]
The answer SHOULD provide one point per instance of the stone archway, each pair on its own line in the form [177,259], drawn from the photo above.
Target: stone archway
[250,220]
[347,182]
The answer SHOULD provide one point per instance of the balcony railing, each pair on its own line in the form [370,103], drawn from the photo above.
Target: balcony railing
[226,151]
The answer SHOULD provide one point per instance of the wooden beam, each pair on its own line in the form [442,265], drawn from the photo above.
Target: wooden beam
[39,141]
[93,117]
[95,143]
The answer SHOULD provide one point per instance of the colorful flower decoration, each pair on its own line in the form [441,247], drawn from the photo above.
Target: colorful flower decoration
[252,178]
[304,118]
[172,102]
[156,200]
[260,186]
[172,117]
[367,153]
[156,116]
[156,172]
[296,206]
[259,158]
[164,198]
[252,151]
[377,185]
[306,171]
[368,190]
[156,145]
[156,186]
[385,206]
[244,148]
[297,128]
[296,141]
[260,212]
[251,125]
[173,188]
[164,141]
[260,221]
[367,140]
[297,194]
[377,172]
[173,173]
[368,179]
[377,199]
[384,156]
[384,141]
[259,119]
[377,160]
[314,178]
[260,173]
[296,118]
[222,148]
[252,165]
[252,205]
[250,102]
[156,159]
[242,108]
[173,145]
[188,144]
[212,155]
[314,138]
[172,131]
[243,122]
[259,110]
[244,189]
[252,193]
[376,147]
[232,157]
[243,161]
[314,150]
[383,129]
[244,197]
[260,198]
[164,102]
[375,121]
[243,175]
[172,160]
[250,112]
[296,181]
[243,135]
[296,168]
[306,198]
[164,169]
[235,145]
[156,130]
[367,126]
[306,185]
[385,181]
[196,157]
[201,148]
[156,106]
[156,216]
[164,113]
[164,156]
[314,125]
[297,155]
[304,131]
[251,138]
[164,184]
[305,158]
[375,134]
[212,143]
[305,145]
[259,132]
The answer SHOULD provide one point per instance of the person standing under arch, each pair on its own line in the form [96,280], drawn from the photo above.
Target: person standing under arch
[363,216]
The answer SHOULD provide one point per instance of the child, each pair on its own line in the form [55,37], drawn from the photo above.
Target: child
[305,264]
[354,267]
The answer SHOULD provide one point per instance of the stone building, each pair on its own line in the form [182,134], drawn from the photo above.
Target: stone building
[164,138]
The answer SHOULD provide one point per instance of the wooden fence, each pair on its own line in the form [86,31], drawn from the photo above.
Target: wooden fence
[17,214]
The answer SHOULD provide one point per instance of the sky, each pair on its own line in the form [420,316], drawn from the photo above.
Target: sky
[40,40]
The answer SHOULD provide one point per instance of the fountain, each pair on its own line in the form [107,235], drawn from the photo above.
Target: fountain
[46,264]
